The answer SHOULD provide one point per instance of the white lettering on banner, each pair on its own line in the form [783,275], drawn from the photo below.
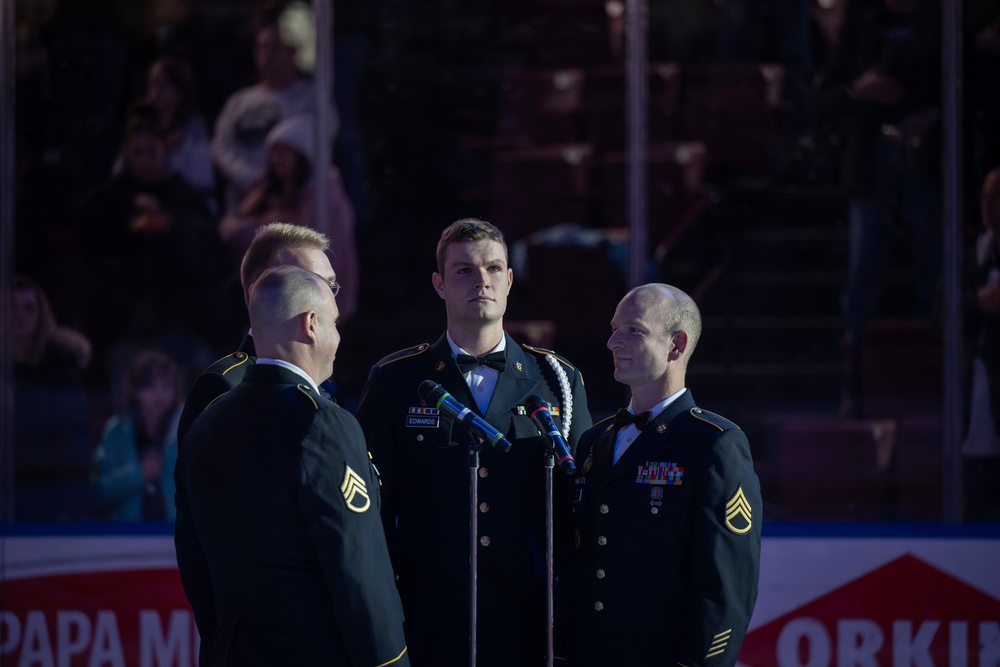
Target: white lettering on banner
[66,644]
[910,651]
[107,646]
[37,647]
[805,642]
[818,648]
[10,627]
[858,640]
[958,639]
[76,634]
[155,650]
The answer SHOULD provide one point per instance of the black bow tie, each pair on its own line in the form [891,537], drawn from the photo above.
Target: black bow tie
[623,418]
[495,360]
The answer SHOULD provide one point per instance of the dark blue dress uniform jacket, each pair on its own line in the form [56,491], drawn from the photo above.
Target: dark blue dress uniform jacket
[215,381]
[279,543]
[424,462]
[666,543]
[219,378]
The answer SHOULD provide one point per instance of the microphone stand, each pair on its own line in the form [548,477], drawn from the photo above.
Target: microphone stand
[473,543]
[550,461]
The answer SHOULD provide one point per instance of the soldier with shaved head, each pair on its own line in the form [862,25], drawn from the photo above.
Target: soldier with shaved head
[663,523]
[279,542]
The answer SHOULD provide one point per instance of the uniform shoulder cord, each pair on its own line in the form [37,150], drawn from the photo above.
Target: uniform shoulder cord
[567,395]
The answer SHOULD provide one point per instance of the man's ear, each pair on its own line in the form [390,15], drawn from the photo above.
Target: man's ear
[679,344]
[510,278]
[310,325]
[438,283]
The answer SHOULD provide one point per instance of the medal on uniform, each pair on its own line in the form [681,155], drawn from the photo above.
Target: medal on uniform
[660,474]
[423,417]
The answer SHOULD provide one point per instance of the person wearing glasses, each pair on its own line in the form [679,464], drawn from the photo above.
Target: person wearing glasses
[663,522]
[423,456]
[279,543]
[275,244]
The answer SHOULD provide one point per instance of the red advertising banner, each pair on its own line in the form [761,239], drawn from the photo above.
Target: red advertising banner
[132,617]
[825,601]
[903,613]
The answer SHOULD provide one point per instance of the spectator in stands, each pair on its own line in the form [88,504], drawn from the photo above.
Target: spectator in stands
[51,448]
[133,470]
[981,446]
[157,261]
[880,90]
[238,144]
[171,97]
[287,192]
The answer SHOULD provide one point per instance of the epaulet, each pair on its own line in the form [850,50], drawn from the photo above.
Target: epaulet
[404,354]
[718,421]
[606,419]
[314,399]
[542,351]
[229,362]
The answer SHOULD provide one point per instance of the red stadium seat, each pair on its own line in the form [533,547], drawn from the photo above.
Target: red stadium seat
[836,470]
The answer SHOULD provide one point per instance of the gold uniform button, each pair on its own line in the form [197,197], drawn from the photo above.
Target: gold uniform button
[600,574]
[484,507]
[599,606]
[602,540]
[603,509]
[240,356]
[485,540]
[484,472]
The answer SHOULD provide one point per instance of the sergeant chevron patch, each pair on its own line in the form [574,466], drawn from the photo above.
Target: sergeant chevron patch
[718,645]
[738,513]
[355,492]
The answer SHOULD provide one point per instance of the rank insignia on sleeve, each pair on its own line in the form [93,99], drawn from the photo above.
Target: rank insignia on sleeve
[719,643]
[738,513]
[354,491]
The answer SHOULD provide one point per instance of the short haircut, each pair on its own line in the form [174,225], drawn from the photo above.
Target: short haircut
[268,243]
[680,313]
[282,293]
[467,229]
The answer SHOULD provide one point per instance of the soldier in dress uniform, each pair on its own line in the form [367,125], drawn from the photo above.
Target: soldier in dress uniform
[275,244]
[423,456]
[279,542]
[665,514]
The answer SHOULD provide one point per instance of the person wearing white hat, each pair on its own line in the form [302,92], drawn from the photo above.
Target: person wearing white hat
[287,192]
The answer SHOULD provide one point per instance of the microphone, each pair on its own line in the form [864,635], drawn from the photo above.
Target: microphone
[538,409]
[436,395]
